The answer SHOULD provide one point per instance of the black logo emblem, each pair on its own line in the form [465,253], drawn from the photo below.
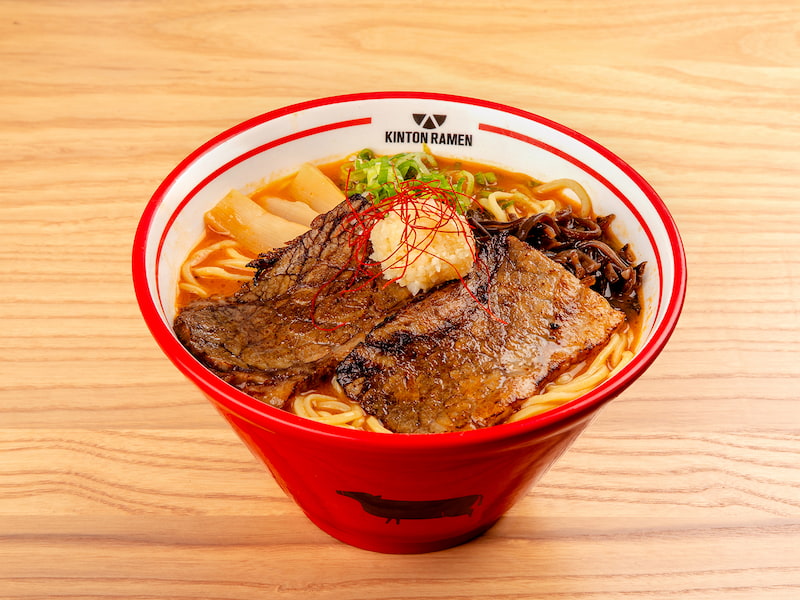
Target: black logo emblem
[429,121]
[395,510]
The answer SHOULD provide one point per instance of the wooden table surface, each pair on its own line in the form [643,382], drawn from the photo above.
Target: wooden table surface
[118,480]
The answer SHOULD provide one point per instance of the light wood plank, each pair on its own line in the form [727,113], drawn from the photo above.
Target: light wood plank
[119,480]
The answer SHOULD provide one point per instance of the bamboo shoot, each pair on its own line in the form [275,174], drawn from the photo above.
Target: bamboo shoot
[298,212]
[316,189]
[253,227]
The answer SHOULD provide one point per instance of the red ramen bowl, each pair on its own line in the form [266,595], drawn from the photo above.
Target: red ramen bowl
[403,493]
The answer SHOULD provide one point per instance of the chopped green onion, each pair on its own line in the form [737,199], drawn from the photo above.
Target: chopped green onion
[507,203]
[376,176]
[485,178]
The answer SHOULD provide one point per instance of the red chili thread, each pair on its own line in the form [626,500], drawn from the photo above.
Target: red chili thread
[414,199]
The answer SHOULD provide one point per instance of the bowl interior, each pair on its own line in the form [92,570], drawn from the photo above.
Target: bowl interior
[275,144]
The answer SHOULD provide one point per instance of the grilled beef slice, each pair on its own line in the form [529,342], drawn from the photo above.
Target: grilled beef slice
[263,339]
[446,364]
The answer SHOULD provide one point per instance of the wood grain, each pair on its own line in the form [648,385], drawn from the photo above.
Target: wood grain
[118,480]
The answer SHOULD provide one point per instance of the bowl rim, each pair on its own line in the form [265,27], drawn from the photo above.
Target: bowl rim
[232,400]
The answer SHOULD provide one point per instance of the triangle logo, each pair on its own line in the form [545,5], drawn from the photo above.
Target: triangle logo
[429,121]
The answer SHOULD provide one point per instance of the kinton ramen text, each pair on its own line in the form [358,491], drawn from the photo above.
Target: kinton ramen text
[428,137]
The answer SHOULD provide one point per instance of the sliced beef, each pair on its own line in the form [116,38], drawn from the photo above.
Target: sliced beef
[307,307]
[446,363]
